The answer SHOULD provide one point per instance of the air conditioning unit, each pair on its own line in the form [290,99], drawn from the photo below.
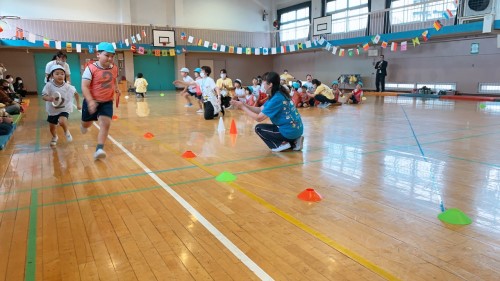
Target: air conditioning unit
[477,8]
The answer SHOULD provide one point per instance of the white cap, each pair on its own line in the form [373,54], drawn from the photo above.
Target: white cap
[184,69]
[55,67]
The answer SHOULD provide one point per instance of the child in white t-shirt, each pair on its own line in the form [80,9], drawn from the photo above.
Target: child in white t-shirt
[59,97]
[141,86]
[239,92]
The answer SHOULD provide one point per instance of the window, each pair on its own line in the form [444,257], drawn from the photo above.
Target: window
[295,22]
[347,15]
[489,88]
[406,11]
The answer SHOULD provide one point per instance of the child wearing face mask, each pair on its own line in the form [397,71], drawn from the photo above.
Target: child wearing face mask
[224,85]
[19,87]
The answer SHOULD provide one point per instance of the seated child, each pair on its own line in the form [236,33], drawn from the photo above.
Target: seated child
[356,95]
[239,92]
[249,97]
[304,98]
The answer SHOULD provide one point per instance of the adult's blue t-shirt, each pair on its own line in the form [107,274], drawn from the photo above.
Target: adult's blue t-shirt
[283,114]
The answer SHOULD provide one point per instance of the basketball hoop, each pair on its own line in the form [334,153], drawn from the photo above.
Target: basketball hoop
[164,44]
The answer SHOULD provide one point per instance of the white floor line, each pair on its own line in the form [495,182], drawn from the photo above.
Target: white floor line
[210,227]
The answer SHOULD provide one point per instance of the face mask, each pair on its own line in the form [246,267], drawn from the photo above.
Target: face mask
[10,80]
[203,74]
[299,90]
[222,75]
[20,81]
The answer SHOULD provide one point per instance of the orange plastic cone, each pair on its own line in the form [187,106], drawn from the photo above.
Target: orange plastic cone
[233,139]
[233,129]
[148,135]
[114,117]
[309,195]
[188,154]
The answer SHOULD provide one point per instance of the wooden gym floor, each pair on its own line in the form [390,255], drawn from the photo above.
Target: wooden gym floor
[146,213]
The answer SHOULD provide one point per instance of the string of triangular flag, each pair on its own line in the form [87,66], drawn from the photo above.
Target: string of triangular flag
[403,46]
[22,34]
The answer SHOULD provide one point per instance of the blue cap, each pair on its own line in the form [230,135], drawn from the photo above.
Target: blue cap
[335,82]
[296,85]
[197,70]
[107,47]
[361,84]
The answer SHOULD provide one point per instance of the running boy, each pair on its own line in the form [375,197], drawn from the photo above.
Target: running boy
[99,85]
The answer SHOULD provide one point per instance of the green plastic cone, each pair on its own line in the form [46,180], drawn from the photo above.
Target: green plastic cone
[454,216]
[225,177]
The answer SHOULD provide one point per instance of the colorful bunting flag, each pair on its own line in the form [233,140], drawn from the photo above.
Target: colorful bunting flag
[19,33]
[223,48]
[144,33]
[46,42]
[32,38]
[350,52]
[126,42]
[231,49]
[248,51]
[200,42]
[404,46]
[356,51]
[437,25]
[415,41]
[328,46]
[157,53]
[138,36]
[164,53]
[394,47]
[257,51]
[265,51]
[69,47]
[172,52]
[215,46]
[133,48]
[292,48]
[141,50]
[133,39]
[366,47]
[334,51]
[239,50]
[299,46]
[376,39]
[183,35]
[308,44]
[384,44]
[273,51]
[190,39]
[91,48]
[321,41]
[206,44]
[78,48]
[447,14]
[283,49]
[341,53]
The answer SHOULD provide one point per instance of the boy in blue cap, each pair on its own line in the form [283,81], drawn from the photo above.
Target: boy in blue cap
[99,85]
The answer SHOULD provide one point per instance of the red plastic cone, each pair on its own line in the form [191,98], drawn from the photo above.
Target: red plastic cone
[114,117]
[188,154]
[309,195]
[148,135]
[233,129]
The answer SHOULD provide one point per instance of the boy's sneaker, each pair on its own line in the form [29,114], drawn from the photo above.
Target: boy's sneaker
[53,142]
[99,154]
[283,146]
[83,129]
[69,138]
[188,105]
[199,111]
[299,143]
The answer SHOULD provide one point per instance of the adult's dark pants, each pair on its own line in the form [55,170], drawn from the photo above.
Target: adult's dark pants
[271,135]
[380,82]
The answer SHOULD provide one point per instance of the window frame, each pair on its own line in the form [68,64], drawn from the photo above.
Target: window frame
[295,8]
[346,10]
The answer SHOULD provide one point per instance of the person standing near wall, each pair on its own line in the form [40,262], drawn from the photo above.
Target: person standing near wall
[2,70]
[381,67]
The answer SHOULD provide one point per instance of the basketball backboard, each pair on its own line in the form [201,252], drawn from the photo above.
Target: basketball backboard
[163,38]
[322,25]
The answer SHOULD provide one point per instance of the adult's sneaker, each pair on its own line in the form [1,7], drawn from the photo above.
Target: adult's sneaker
[299,143]
[99,154]
[283,146]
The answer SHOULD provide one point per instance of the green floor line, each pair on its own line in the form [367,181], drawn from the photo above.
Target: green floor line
[30,269]
[14,209]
